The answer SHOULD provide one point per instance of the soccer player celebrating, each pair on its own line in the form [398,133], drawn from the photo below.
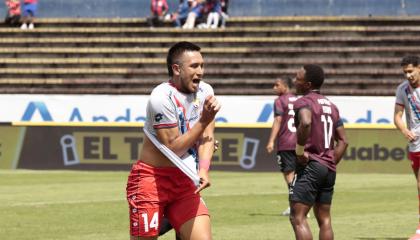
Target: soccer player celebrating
[408,100]
[180,116]
[284,131]
[321,143]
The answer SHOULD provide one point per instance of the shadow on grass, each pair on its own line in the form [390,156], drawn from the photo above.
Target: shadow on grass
[266,214]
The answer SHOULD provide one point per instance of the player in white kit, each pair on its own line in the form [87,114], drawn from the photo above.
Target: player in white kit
[408,101]
[180,116]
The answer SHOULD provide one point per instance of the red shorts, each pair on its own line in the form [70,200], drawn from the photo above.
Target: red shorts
[154,192]
[415,160]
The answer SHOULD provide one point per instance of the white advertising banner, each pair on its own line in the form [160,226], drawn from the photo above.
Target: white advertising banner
[131,108]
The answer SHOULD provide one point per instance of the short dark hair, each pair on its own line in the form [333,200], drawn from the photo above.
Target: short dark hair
[411,59]
[314,74]
[176,51]
[286,80]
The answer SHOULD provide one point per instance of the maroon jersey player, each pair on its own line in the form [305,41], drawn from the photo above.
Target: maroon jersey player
[321,143]
[283,131]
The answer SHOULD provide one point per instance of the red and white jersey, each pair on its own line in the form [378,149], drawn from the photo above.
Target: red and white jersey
[168,108]
[409,98]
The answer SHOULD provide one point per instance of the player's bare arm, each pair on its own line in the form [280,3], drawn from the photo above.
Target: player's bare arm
[399,123]
[205,152]
[302,132]
[180,143]
[342,143]
[274,131]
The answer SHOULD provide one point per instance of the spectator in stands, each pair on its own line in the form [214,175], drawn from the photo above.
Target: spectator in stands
[159,11]
[29,13]
[196,11]
[180,16]
[13,12]
[225,16]
[214,10]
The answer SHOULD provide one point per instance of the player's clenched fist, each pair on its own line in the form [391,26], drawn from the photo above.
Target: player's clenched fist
[210,108]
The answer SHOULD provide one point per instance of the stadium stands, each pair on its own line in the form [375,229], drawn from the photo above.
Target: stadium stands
[361,55]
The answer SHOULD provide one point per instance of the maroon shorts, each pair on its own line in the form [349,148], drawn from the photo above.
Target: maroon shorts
[154,192]
[415,160]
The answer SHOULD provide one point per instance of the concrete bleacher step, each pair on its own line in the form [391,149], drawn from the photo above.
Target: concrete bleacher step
[242,21]
[161,73]
[223,91]
[222,86]
[154,81]
[233,52]
[211,62]
[361,55]
[260,31]
[389,40]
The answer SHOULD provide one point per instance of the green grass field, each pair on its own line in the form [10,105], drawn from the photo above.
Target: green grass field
[91,205]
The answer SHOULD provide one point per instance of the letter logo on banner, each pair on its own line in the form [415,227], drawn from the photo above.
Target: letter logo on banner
[32,107]
[265,113]
[249,153]
[235,149]
[69,150]
[75,115]
[100,147]
[368,119]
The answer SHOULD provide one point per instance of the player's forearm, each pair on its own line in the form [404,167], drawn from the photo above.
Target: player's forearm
[398,122]
[205,155]
[274,131]
[206,147]
[339,150]
[302,133]
[182,143]
[304,128]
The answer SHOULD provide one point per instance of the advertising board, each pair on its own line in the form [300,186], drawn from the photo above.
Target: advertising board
[241,148]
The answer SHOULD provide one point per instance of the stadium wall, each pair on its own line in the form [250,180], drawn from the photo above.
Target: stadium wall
[374,148]
[132,108]
[140,8]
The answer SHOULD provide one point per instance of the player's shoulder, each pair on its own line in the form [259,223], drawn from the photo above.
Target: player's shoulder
[291,97]
[164,88]
[286,98]
[402,85]
[161,93]
[302,101]
[303,98]
[331,103]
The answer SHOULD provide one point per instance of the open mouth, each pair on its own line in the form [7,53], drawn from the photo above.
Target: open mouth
[196,81]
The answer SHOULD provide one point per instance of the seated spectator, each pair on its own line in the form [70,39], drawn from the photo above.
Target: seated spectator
[214,10]
[180,16]
[29,13]
[159,11]
[195,12]
[13,13]
[224,4]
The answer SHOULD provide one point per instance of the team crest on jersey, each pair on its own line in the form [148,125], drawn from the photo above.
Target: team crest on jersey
[158,117]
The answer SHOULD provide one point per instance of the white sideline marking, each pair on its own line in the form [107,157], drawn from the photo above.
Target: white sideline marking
[119,199]
[64,202]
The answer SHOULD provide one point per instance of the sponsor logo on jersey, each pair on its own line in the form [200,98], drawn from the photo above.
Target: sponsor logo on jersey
[158,117]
